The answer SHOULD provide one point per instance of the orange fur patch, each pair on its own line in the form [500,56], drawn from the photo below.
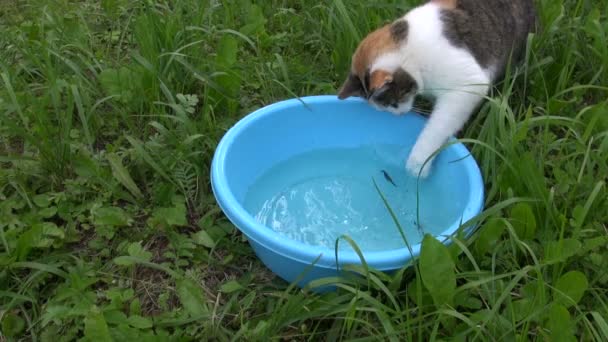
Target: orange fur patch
[378,78]
[375,44]
[449,4]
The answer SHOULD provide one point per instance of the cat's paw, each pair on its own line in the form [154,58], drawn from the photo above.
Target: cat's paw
[417,167]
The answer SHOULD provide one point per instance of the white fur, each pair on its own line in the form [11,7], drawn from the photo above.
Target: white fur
[449,74]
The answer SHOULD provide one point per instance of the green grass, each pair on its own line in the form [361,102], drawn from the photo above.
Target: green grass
[109,115]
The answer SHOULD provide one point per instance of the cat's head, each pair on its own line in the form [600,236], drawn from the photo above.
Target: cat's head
[377,72]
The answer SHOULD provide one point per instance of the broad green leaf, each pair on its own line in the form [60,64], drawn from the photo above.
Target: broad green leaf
[48,212]
[535,292]
[570,288]
[95,326]
[135,249]
[42,200]
[418,293]
[553,12]
[124,332]
[593,243]
[560,324]
[12,325]
[248,300]
[126,260]
[557,105]
[207,221]
[230,79]
[437,270]
[171,216]
[523,220]
[54,312]
[557,251]
[115,317]
[202,238]
[128,294]
[142,153]
[227,50]
[111,7]
[50,233]
[488,236]
[135,307]
[49,229]
[85,166]
[191,296]
[255,21]
[139,322]
[122,175]
[465,300]
[111,216]
[522,308]
[231,286]
[119,82]
[40,235]
[230,83]
[187,103]
[578,216]
[494,322]
[28,240]
[129,260]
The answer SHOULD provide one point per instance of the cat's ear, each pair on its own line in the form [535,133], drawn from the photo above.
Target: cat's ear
[351,87]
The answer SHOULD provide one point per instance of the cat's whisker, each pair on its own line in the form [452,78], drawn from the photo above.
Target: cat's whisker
[421,110]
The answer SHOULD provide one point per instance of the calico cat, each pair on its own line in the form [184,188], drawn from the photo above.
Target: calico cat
[451,51]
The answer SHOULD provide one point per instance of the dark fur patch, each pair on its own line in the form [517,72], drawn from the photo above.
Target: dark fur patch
[490,29]
[352,87]
[404,81]
[400,30]
[394,92]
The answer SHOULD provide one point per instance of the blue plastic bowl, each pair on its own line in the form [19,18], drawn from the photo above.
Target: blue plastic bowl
[285,129]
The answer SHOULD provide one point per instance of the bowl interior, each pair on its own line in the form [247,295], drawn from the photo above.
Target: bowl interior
[276,134]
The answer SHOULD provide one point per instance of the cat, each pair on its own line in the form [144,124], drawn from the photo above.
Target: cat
[451,51]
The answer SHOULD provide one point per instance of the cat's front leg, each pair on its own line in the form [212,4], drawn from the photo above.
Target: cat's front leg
[450,113]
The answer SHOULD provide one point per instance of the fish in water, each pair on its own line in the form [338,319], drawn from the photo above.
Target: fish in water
[388,178]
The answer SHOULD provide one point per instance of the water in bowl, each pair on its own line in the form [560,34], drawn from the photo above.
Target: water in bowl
[318,196]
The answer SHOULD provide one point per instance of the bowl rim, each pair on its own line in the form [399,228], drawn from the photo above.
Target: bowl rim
[324,257]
